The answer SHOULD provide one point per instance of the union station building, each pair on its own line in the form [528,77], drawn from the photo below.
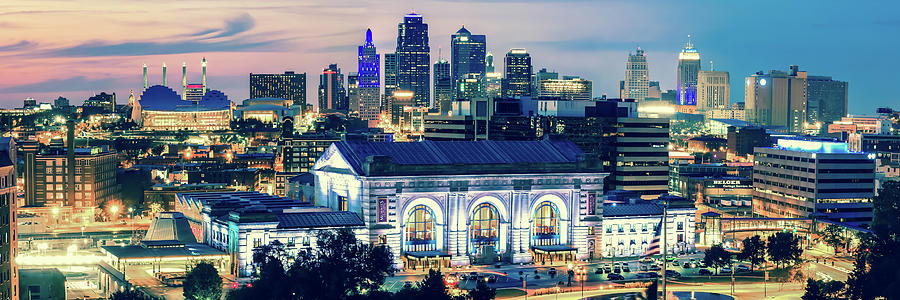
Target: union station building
[442,204]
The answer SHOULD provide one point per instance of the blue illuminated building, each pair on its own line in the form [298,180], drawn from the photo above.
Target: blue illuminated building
[688,70]
[369,63]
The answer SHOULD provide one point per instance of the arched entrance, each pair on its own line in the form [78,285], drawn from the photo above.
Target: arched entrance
[484,233]
[420,240]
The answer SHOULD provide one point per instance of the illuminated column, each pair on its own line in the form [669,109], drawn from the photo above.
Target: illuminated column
[203,64]
[165,80]
[183,80]
[145,76]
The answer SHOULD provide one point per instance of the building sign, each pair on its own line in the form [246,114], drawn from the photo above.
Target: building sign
[382,210]
[729,184]
[592,205]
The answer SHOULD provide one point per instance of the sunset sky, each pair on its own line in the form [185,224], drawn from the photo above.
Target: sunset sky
[78,48]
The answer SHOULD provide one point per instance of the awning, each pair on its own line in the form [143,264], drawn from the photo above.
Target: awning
[552,249]
[425,254]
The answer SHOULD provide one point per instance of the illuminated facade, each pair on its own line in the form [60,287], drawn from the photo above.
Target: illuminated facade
[289,86]
[826,99]
[443,86]
[628,229]
[688,70]
[332,94]
[82,182]
[637,77]
[369,81]
[440,204]
[713,91]
[802,178]
[777,99]
[568,88]
[161,109]
[9,272]
[413,59]
[467,52]
[517,78]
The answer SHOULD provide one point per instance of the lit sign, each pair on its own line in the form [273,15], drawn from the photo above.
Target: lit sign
[762,81]
[723,182]
[813,146]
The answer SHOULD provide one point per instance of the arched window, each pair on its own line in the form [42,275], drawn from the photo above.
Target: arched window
[546,225]
[420,229]
[485,227]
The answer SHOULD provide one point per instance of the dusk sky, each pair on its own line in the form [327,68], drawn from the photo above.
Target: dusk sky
[78,48]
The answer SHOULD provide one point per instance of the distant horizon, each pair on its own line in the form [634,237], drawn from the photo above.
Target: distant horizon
[43,54]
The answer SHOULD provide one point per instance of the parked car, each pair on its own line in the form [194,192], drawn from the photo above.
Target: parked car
[674,263]
[725,270]
[617,269]
[704,272]
[614,276]
[599,270]
[492,279]
[672,273]
[742,268]
[607,269]
[552,272]
[626,269]
[655,268]
[686,265]
[645,268]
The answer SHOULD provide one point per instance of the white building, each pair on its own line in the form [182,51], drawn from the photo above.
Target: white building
[456,203]
[628,228]
[713,91]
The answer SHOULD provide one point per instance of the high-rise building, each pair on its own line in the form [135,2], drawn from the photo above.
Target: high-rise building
[413,59]
[300,152]
[103,101]
[654,93]
[467,56]
[637,77]
[9,282]
[641,156]
[568,88]
[539,76]
[777,99]
[688,70]
[83,180]
[443,86]
[492,80]
[390,78]
[287,86]
[800,178]
[713,90]
[369,93]
[517,78]
[332,95]
[353,93]
[471,87]
[826,100]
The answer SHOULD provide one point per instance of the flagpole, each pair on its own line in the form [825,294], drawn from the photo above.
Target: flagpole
[665,250]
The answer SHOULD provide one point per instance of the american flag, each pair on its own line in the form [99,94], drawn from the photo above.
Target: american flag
[653,248]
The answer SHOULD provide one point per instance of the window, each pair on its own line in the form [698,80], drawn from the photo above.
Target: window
[608,228]
[306,241]
[342,203]
[257,242]
[485,227]
[420,229]
[546,224]
[680,225]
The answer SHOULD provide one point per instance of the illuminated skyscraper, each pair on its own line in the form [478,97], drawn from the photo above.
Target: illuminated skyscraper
[568,88]
[713,90]
[369,81]
[413,58]
[492,79]
[777,99]
[637,77]
[288,86]
[467,56]
[517,78]
[332,95]
[688,70]
[826,100]
[443,86]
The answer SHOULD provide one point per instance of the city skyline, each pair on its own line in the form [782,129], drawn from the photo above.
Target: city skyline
[239,39]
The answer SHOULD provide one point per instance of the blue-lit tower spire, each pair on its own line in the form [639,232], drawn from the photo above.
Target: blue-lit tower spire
[369,84]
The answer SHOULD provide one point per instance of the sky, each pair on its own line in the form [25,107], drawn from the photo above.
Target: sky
[75,49]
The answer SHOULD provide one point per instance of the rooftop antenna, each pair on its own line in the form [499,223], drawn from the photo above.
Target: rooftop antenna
[690,44]
[711,66]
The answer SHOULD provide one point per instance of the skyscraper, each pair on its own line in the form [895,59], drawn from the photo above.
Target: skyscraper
[826,100]
[517,78]
[688,70]
[9,282]
[369,86]
[713,90]
[332,95]
[777,99]
[443,86]
[539,76]
[467,56]
[568,88]
[637,77]
[288,86]
[353,92]
[492,79]
[413,58]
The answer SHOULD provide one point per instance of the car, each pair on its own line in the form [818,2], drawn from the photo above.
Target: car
[725,270]
[626,269]
[492,279]
[647,275]
[407,284]
[742,268]
[473,275]
[607,269]
[655,268]
[617,269]
[647,260]
[672,273]
[704,272]
[674,263]
[599,271]
[614,276]
[645,268]
[552,271]
[686,265]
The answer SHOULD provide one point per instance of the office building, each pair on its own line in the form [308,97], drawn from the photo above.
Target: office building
[777,99]
[288,86]
[492,80]
[886,147]
[443,86]
[332,95]
[742,141]
[630,228]
[517,78]
[413,59]
[688,70]
[9,281]
[861,124]
[102,101]
[641,156]
[369,87]
[637,77]
[568,88]
[390,79]
[467,56]
[826,100]
[470,87]
[161,109]
[299,153]
[713,90]
[445,204]
[808,178]
[353,93]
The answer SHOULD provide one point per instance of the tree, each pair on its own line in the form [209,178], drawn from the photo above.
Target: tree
[203,283]
[652,291]
[128,294]
[482,292]
[433,287]
[717,257]
[754,251]
[832,236]
[823,290]
[784,248]
[877,260]
[857,279]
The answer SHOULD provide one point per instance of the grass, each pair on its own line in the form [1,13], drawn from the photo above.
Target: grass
[509,293]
